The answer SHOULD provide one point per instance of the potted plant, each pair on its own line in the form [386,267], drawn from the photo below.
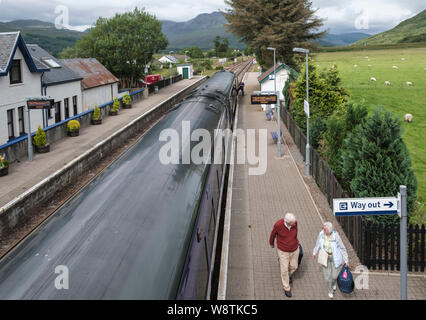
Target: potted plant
[127,101]
[73,128]
[4,166]
[96,117]
[115,108]
[40,141]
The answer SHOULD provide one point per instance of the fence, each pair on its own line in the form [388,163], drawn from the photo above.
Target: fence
[163,83]
[377,246]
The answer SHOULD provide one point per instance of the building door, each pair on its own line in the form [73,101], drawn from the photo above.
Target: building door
[186,73]
[58,116]
[67,108]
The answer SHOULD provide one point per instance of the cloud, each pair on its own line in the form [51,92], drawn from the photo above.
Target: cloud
[340,15]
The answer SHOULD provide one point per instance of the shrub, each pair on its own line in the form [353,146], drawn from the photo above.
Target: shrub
[127,99]
[40,138]
[376,162]
[96,113]
[73,125]
[3,162]
[219,68]
[316,130]
[116,105]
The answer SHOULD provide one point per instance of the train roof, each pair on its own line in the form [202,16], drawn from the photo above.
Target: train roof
[127,234]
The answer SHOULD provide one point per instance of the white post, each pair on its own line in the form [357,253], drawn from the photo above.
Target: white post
[308,151]
[403,242]
[30,144]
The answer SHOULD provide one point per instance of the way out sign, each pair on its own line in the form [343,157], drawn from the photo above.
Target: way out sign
[365,206]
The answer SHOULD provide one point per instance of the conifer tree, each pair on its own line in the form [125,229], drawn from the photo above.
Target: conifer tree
[282,24]
[376,161]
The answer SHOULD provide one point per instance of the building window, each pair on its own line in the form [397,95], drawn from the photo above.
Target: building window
[21,121]
[67,107]
[58,117]
[10,124]
[74,104]
[15,72]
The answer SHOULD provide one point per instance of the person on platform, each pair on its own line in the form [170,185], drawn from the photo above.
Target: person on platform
[285,231]
[241,88]
[329,240]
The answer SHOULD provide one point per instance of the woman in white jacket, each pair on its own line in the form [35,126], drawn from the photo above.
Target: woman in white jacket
[330,241]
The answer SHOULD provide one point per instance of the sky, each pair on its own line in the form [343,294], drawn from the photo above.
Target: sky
[341,16]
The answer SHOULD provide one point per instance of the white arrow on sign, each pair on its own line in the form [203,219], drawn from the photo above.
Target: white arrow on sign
[365,206]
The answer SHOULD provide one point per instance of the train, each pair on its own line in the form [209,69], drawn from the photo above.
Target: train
[141,229]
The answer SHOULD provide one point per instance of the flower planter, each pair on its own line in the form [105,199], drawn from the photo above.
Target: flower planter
[97,121]
[42,149]
[127,106]
[113,113]
[4,171]
[74,133]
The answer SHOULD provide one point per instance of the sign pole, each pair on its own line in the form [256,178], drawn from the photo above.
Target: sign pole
[30,144]
[403,244]
[308,151]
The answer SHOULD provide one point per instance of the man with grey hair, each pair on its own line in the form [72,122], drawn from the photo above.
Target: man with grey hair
[285,230]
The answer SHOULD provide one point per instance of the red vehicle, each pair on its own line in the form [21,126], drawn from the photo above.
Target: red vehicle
[153,78]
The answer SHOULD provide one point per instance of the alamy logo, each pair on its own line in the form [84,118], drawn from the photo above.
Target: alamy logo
[177,148]
[62,280]
[362,20]
[62,21]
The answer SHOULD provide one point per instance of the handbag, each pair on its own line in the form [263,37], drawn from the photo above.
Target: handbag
[322,257]
[345,280]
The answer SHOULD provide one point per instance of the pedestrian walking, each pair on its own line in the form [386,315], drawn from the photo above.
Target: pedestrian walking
[241,88]
[335,254]
[285,231]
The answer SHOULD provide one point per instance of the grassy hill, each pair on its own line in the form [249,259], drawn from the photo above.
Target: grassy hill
[43,33]
[408,31]
[200,31]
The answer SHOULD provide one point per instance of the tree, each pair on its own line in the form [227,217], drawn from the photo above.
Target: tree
[376,161]
[193,52]
[274,23]
[325,94]
[221,47]
[124,44]
[68,53]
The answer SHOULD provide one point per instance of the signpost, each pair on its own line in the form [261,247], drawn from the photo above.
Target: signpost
[35,104]
[381,206]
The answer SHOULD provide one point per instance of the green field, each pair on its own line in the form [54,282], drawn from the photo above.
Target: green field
[397,98]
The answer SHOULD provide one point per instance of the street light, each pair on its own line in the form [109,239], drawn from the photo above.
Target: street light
[308,153]
[277,107]
[171,79]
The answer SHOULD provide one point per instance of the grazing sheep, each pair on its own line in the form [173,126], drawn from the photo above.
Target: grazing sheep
[402,59]
[409,117]
[373,79]
[366,57]
[369,65]
[355,66]
[394,67]
[387,83]
[425,69]
[409,83]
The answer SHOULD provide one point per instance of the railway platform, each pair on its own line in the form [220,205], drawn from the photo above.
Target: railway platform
[258,201]
[24,175]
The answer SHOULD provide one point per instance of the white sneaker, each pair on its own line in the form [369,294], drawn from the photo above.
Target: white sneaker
[330,295]
[334,287]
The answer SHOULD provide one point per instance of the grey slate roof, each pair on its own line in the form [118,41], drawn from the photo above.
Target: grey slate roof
[56,75]
[9,42]
[7,45]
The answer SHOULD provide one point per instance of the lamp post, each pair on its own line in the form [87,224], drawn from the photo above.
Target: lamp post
[276,106]
[171,78]
[308,153]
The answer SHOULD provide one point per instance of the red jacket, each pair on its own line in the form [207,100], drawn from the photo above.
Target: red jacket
[286,239]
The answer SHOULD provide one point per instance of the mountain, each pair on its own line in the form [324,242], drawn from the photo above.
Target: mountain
[200,32]
[43,33]
[410,30]
[340,40]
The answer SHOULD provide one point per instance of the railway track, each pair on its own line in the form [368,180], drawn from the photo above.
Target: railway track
[241,68]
